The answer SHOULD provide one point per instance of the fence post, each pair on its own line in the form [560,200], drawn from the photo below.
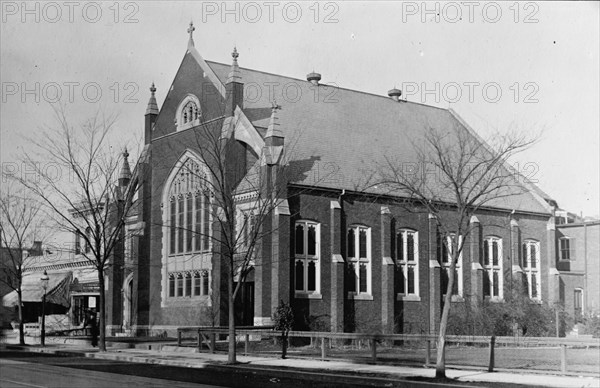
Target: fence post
[247,340]
[323,350]
[178,338]
[373,349]
[199,341]
[491,366]
[563,358]
[213,342]
[428,353]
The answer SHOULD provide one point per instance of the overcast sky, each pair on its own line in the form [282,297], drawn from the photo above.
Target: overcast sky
[529,66]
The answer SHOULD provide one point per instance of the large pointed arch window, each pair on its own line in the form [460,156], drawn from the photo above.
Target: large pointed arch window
[189,210]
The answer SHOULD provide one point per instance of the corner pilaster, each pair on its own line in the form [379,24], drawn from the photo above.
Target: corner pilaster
[337,268]
[476,268]
[435,295]
[387,272]
[553,274]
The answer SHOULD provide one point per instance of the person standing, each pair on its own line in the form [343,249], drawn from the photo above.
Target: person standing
[91,320]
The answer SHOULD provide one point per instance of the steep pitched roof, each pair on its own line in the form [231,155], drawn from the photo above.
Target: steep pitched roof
[334,136]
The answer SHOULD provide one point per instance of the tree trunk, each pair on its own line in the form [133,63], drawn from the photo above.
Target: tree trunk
[440,365]
[102,315]
[231,359]
[21,325]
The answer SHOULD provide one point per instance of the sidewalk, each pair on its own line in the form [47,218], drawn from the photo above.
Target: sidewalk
[183,357]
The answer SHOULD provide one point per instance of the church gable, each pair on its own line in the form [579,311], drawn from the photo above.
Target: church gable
[191,83]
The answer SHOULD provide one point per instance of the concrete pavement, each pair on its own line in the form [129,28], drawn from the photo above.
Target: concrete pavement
[184,357]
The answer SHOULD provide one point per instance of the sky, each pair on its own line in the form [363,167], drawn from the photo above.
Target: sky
[530,66]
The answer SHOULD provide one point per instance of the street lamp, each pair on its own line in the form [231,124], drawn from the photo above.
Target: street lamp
[44,282]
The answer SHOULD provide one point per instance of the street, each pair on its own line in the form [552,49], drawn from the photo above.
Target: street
[26,370]
[29,369]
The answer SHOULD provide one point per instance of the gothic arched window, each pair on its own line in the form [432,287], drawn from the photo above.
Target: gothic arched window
[188,113]
[189,210]
[187,232]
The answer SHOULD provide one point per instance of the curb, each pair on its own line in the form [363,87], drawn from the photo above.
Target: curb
[281,372]
[106,356]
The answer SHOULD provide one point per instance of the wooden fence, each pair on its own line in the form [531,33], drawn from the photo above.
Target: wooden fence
[207,335]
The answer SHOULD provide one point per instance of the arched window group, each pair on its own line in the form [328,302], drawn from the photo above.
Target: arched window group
[306,257]
[359,259]
[531,268]
[190,112]
[493,278]
[445,244]
[407,262]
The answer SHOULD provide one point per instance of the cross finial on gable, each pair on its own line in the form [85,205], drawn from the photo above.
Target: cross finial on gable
[190,31]
[274,106]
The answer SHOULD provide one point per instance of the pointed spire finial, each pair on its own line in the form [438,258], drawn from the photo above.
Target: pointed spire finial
[152,107]
[190,31]
[125,174]
[234,75]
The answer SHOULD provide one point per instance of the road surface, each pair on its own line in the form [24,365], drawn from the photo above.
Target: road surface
[23,371]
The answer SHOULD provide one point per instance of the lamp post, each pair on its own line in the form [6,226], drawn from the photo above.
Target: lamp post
[44,282]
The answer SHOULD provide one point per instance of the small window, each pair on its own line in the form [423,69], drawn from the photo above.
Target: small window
[77,243]
[565,247]
[171,285]
[188,284]
[205,283]
[179,285]
[88,234]
[197,284]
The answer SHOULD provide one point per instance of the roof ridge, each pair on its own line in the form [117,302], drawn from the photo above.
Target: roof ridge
[337,86]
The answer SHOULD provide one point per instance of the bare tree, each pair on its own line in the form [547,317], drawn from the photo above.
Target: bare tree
[239,225]
[20,225]
[75,177]
[455,174]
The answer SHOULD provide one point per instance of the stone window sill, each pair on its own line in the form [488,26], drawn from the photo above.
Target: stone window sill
[307,295]
[408,298]
[352,295]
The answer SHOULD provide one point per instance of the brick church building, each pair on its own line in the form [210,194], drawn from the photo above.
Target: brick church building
[345,259]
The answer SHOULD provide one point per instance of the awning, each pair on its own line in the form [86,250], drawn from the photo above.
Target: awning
[57,292]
